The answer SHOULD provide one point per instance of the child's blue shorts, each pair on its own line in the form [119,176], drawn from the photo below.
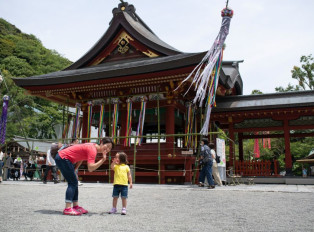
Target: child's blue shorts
[120,189]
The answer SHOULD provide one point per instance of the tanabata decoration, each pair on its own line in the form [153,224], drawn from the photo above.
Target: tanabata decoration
[89,118]
[206,73]
[3,123]
[128,129]
[67,127]
[189,128]
[141,120]
[115,117]
[75,131]
[101,120]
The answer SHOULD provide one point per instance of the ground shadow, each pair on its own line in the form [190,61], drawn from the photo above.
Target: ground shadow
[47,211]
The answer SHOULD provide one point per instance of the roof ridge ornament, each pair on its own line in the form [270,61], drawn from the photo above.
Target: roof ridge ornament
[125,7]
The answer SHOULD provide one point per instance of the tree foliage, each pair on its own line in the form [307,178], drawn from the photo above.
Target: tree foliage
[23,55]
[304,75]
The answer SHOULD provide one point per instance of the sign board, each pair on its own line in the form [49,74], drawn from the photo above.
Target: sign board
[189,152]
[221,151]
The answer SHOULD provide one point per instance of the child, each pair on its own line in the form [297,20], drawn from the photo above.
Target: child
[120,185]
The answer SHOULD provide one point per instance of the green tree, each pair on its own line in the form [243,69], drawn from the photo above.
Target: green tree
[256,92]
[23,55]
[304,75]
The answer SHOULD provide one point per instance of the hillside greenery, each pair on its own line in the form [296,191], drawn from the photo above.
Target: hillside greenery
[23,55]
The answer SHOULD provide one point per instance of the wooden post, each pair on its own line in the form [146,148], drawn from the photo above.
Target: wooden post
[162,173]
[170,125]
[240,137]
[231,143]
[188,173]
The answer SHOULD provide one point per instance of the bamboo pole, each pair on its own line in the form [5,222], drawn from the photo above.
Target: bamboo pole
[158,115]
[110,131]
[134,161]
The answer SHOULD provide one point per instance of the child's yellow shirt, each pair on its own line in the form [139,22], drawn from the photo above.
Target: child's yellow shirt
[121,174]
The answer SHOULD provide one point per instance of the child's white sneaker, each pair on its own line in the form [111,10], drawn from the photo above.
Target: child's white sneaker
[112,211]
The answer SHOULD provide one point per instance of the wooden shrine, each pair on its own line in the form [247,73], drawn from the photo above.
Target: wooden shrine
[130,63]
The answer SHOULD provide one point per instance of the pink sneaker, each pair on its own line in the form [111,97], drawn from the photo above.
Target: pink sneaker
[71,211]
[112,211]
[80,209]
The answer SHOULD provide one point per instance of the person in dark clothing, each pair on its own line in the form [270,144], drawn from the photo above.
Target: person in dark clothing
[207,161]
[8,165]
[50,164]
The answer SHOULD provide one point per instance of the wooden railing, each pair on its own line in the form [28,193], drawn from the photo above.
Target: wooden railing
[256,168]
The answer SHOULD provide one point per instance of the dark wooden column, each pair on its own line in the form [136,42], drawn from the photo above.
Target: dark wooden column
[188,173]
[162,173]
[170,125]
[288,157]
[231,143]
[240,137]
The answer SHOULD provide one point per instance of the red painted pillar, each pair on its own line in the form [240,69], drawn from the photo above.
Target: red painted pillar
[170,126]
[188,172]
[162,173]
[288,157]
[231,143]
[240,137]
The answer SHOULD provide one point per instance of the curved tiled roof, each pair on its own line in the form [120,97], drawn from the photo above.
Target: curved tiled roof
[124,17]
[135,26]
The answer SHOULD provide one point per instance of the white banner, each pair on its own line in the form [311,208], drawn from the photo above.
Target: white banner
[221,152]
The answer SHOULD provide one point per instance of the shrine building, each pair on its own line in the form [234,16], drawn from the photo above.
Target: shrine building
[131,64]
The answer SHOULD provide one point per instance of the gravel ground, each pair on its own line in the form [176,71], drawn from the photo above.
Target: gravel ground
[33,206]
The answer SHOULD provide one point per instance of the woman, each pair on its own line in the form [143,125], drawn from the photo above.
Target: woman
[215,165]
[65,160]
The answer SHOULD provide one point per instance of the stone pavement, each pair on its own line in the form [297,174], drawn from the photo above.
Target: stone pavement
[33,206]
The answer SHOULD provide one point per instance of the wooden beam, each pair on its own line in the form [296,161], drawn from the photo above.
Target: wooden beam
[295,135]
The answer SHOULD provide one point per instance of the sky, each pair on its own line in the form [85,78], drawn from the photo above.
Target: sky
[270,36]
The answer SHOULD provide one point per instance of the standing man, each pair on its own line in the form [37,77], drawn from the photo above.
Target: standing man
[50,164]
[207,161]
[8,165]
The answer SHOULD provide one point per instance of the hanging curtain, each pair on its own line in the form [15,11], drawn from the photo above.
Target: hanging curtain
[128,128]
[3,122]
[141,120]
